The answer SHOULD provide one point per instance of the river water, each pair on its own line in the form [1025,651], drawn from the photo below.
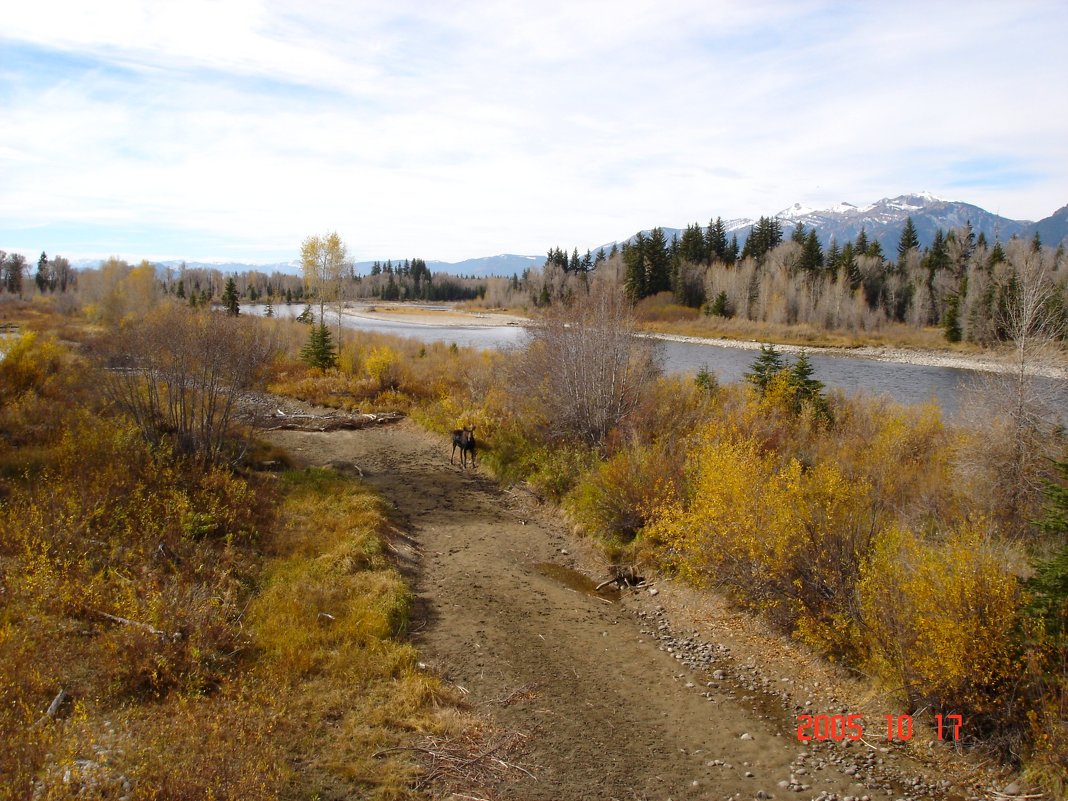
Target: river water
[904,383]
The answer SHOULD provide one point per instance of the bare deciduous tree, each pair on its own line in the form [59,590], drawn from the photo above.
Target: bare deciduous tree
[584,366]
[179,372]
[1015,411]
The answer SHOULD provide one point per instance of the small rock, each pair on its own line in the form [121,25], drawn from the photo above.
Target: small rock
[746,736]
[654,591]
[1012,789]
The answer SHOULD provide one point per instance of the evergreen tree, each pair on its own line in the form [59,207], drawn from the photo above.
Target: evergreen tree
[811,253]
[834,257]
[229,297]
[951,319]
[720,306]
[706,379]
[860,246]
[634,268]
[307,316]
[1048,587]
[41,278]
[658,263]
[763,238]
[716,242]
[802,375]
[693,245]
[807,388]
[269,311]
[937,256]
[319,350]
[908,242]
[767,365]
[181,289]
[847,266]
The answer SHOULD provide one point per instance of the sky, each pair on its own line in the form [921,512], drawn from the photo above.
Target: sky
[231,130]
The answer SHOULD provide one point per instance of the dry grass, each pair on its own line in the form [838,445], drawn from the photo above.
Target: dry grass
[215,634]
[897,335]
[327,621]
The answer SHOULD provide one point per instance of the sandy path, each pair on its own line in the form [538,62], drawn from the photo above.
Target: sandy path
[613,715]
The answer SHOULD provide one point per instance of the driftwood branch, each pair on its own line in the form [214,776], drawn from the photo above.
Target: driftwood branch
[135,623]
[53,708]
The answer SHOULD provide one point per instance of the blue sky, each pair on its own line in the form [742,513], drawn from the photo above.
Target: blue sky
[231,130]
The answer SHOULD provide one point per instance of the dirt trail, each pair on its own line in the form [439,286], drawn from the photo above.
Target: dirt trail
[613,714]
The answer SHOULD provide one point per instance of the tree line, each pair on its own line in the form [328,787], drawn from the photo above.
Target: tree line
[962,282]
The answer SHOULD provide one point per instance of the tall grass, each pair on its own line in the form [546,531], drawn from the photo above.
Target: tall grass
[215,634]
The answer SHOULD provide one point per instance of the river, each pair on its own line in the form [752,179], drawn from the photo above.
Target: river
[904,383]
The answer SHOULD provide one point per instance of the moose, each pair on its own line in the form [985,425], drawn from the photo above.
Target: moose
[464,439]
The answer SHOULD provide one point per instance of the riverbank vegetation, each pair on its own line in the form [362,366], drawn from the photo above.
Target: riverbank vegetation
[926,555]
[173,622]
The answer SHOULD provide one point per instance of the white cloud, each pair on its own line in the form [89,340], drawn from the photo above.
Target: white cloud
[467,128]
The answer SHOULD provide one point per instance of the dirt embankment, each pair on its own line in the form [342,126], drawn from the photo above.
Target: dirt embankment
[645,696]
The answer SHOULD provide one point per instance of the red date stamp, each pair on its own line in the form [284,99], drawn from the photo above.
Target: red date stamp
[851,727]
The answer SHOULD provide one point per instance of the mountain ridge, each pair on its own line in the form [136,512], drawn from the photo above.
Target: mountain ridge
[881,221]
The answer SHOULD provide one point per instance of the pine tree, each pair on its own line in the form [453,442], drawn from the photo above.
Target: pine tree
[658,260]
[767,365]
[269,310]
[860,246]
[720,306]
[693,245]
[802,376]
[716,241]
[181,289]
[319,350]
[834,258]
[808,389]
[229,298]
[811,253]
[41,278]
[634,268]
[909,241]
[951,319]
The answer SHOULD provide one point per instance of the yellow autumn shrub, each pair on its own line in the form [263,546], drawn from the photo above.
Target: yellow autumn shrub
[383,367]
[939,617]
[785,539]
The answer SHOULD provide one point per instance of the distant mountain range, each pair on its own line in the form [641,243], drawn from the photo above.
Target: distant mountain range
[882,221]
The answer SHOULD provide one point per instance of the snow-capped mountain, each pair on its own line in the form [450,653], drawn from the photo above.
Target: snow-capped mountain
[884,219]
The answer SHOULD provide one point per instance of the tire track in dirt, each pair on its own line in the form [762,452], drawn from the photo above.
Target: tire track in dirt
[612,716]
